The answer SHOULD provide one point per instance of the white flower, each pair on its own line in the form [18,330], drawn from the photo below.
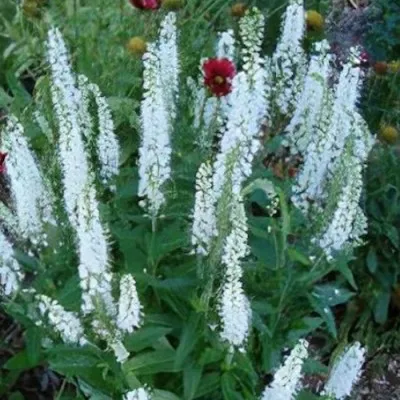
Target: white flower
[138,394]
[65,323]
[240,141]
[67,104]
[107,146]
[94,265]
[234,307]
[345,372]
[338,121]
[10,271]
[167,53]
[120,351]
[204,219]
[256,67]
[155,149]
[31,197]
[340,227]
[304,124]
[288,61]
[129,307]
[287,378]
[226,45]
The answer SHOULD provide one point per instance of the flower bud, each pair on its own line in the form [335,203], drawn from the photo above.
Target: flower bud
[315,21]
[389,134]
[238,10]
[137,46]
[381,68]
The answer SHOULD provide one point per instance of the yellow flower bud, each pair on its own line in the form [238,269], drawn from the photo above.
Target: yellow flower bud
[137,46]
[394,67]
[315,21]
[389,134]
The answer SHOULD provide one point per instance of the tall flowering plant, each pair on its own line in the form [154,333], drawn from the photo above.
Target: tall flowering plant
[184,268]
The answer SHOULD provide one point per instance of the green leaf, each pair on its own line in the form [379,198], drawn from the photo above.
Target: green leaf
[145,337]
[303,327]
[209,384]
[326,314]
[152,362]
[20,361]
[211,356]
[72,361]
[70,294]
[296,256]
[331,294]
[33,344]
[191,380]
[16,396]
[164,395]
[306,395]
[189,338]
[372,261]
[381,307]
[228,384]
[344,269]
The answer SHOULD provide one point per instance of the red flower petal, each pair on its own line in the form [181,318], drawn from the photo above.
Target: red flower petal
[146,4]
[218,75]
[2,162]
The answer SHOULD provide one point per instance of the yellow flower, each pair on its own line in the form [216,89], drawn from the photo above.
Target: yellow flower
[137,46]
[394,66]
[238,10]
[389,134]
[173,4]
[315,21]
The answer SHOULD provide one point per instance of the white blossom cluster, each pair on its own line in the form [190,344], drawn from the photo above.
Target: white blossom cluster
[167,53]
[305,122]
[71,103]
[129,307]
[256,67]
[107,146]
[234,307]
[287,378]
[138,394]
[67,107]
[10,271]
[289,61]
[204,227]
[340,227]
[345,372]
[240,141]
[334,142]
[94,265]
[65,323]
[155,149]
[31,197]
[226,45]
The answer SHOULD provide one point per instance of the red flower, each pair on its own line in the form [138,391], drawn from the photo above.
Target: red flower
[218,75]
[146,4]
[2,162]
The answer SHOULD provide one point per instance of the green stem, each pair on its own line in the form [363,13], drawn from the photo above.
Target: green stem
[59,394]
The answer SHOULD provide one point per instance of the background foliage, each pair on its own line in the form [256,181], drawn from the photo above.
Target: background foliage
[176,349]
